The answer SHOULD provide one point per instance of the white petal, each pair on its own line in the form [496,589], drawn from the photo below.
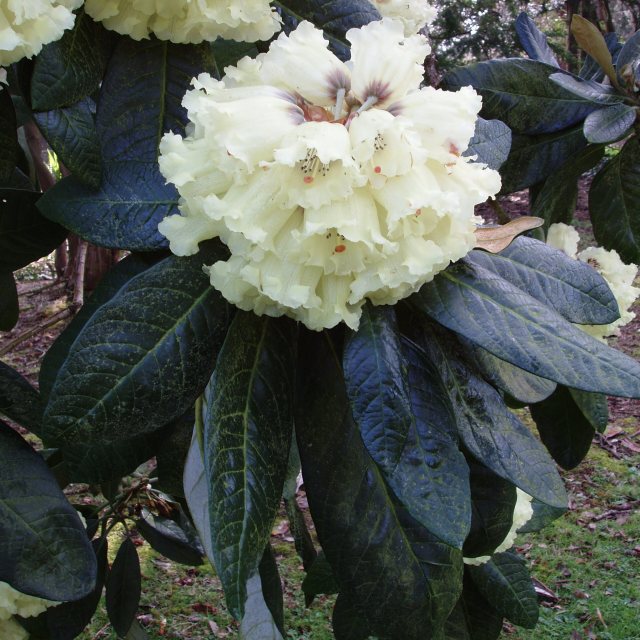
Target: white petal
[302,63]
[564,237]
[414,14]
[385,64]
[445,120]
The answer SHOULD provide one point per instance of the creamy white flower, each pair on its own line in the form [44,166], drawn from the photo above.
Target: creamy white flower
[522,513]
[414,14]
[187,21]
[609,265]
[15,603]
[325,195]
[27,25]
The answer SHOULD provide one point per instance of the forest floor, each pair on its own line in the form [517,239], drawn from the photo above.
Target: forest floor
[586,565]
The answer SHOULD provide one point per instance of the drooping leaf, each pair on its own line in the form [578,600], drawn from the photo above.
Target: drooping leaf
[493,501]
[319,579]
[590,39]
[112,282]
[142,358]
[556,200]
[590,69]
[412,440]
[505,582]
[483,621]
[588,89]
[594,408]
[573,288]
[456,626]
[614,203]
[71,133]
[610,123]
[9,305]
[491,143]
[491,433]
[517,383]
[44,550]
[248,426]
[404,582]
[196,493]
[123,588]
[543,516]
[171,455]
[495,238]
[25,235]
[518,92]
[71,68]
[519,329]
[8,137]
[347,623]
[19,401]
[167,537]
[534,158]
[563,428]
[533,41]
[68,620]
[264,615]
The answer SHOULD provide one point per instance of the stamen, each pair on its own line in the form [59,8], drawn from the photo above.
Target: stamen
[377,169]
[367,104]
[311,165]
[339,103]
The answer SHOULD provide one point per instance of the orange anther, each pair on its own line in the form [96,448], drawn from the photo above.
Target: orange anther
[377,169]
[340,248]
[308,179]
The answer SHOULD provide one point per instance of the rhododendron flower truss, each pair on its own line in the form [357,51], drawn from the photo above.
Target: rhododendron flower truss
[187,21]
[331,183]
[27,25]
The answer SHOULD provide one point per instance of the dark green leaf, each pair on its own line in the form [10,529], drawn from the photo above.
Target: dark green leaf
[491,433]
[517,328]
[227,52]
[248,427]
[168,538]
[301,536]
[112,282]
[19,401]
[543,516]
[142,358]
[456,626]
[68,620]
[123,588]
[319,579]
[505,582]
[25,235]
[123,214]
[8,136]
[71,133]
[518,92]
[573,288]
[535,158]
[9,306]
[588,89]
[483,621]
[141,97]
[412,440]
[493,501]
[610,124]
[563,428]
[44,550]
[533,41]
[614,203]
[594,408]
[347,623]
[517,383]
[404,582]
[491,143]
[71,68]
[171,455]
[556,200]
